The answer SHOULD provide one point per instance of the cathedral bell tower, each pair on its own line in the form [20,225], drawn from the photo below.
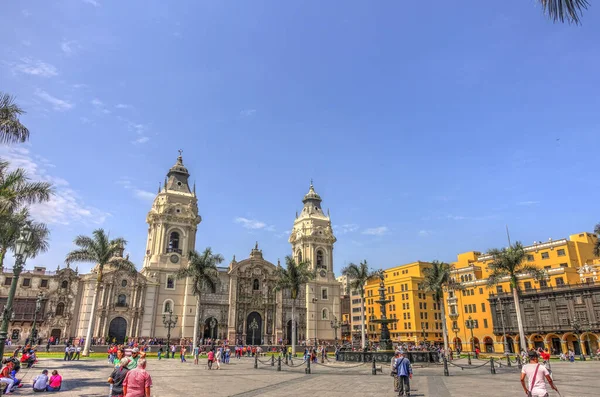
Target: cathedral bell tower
[312,240]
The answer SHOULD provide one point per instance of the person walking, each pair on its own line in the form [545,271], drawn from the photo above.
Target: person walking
[66,353]
[537,375]
[173,351]
[77,353]
[404,373]
[182,353]
[160,352]
[218,356]
[138,381]
[117,377]
[211,357]
[394,372]
[196,354]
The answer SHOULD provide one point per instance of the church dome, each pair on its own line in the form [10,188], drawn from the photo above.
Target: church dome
[179,167]
[311,195]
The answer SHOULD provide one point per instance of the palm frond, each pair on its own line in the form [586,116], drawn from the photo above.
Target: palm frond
[122,264]
[38,243]
[11,129]
[597,245]
[565,10]
[202,269]
[81,255]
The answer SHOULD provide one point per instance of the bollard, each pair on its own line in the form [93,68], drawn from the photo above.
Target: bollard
[492,367]
[374,370]
[255,361]
[469,358]
[286,359]
[519,364]
[508,360]
[307,369]
[272,361]
[446,372]
[279,364]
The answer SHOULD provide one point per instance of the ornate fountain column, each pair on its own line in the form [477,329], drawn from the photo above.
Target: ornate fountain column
[384,339]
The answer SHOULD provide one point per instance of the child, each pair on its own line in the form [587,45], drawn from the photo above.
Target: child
[211,357]
[41,382]
[55,382]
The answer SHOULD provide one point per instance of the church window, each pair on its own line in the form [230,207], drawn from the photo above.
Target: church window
[174,243]
[122,300]
[64,284]
[124,283]
[255,285]
[325,314]
[167,306]
[320,263]
[60,309]
[170,282]
[299,256]
[324,294]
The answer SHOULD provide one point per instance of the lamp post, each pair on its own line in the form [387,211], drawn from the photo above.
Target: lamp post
[20,250]
[253,326]
[470,324]
[38,306]
[506,352]
[588,329]
[169,323]
[335,325]
[577,328]
[314,301]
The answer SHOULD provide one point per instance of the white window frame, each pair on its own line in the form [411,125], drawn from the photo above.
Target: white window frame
[325,314]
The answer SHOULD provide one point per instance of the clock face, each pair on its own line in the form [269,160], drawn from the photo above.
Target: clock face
[174,258]
[323,273]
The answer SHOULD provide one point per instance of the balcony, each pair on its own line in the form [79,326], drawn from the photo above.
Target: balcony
[174,251]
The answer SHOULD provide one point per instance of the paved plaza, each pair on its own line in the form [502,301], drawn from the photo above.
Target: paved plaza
[172,378]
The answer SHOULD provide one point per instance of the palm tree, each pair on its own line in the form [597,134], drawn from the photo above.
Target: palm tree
[11,129]
[10,228]
[293,278]
[561,10]
[202,269]
[437,277]
[16,190]
[358,275]
[597,246]
[508,263]
[102,251]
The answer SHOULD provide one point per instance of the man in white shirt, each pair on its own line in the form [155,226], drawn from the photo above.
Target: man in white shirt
[537,375]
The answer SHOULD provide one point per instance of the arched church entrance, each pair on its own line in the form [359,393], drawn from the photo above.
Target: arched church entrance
[288,333]
[254,329]
[117,329]
[211,327]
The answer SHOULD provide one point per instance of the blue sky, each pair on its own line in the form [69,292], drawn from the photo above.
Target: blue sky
[427,127]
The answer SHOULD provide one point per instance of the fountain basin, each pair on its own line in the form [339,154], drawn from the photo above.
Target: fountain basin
[385,356]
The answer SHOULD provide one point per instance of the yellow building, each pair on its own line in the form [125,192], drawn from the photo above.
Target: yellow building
[419,318]
[559,313]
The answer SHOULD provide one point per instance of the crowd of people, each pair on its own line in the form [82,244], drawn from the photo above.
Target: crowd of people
[26,356]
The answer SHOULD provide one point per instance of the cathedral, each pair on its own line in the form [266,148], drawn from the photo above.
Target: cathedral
[243,307]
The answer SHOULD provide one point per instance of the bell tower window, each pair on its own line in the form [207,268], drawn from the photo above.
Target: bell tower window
[320,264]
[174,243]
[255,285]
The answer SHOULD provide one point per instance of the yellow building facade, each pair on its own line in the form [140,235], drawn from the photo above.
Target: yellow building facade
[418,317]
[560,313]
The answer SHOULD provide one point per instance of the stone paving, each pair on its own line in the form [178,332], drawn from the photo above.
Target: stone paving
[173,378]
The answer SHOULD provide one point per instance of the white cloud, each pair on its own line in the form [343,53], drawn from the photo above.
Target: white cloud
[66,206]
[35,68]
[68,47]
[99,105]
[122,106]
[139,193]
[80,85]
[95,3]
[250,223]
[347,228]
[470,218]
[424,233]
[248,112]
[528,202]
[140,140]
[376,231]
[57,104]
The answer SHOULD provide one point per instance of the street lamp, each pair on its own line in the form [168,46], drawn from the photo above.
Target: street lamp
[335,325]
[38,306]
[20,250]
[577,328]
[588,329]
[314,300]
[169,323]
[470,324]
[503,328]
[253,326]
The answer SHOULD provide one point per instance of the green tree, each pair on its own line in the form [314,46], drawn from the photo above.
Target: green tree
[11,129]
[16,190]
[358,275]
[202,270]
[293,277]
[565,10]
[507,265]
[597,245]
[10,228]
[99,249]
[436,278]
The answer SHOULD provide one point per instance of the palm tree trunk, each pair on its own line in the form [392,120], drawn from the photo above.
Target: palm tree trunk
[293,327]
[444,325]
[519,320]
[2,255]
[196,320]
[88,336]
[362,322]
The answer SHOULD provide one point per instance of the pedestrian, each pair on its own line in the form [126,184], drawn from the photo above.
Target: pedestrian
[66,353]
[537,375]
[182,353]
[172,351]
[404,373]
[211,357]
[40,382]
[160,352]
[138,381]
[196,354]
[71,352]
[218,358]
[77,353]
[117,377]
[135,357]
[394,372]
[55,382]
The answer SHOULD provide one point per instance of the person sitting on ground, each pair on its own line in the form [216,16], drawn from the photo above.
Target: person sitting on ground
[5,377]
[117,377]
[537,375]
[40,382]
[137,382]
[55,382]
